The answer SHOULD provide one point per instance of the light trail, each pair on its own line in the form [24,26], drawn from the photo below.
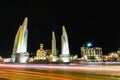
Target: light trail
[27,70]
[7,78]
[30,73]
[110,68]
[95,67]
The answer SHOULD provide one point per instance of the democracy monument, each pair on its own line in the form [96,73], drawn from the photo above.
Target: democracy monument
[53,55]
[20,54]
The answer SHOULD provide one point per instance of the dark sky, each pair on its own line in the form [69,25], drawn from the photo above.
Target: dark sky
[96,22]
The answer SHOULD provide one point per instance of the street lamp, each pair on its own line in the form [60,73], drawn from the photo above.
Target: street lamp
[89,44]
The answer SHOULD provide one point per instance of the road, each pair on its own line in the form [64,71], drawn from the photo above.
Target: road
[58,72]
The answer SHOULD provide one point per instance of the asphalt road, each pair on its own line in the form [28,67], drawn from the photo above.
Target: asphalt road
[58,72]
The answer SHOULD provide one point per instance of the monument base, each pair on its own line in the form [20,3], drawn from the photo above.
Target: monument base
[13,58]
[20,57]
[65,58]
[54,58]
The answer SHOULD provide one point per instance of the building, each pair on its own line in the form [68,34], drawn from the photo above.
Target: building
[91,53]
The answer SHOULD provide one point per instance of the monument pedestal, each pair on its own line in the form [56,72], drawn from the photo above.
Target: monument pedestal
[20,57]
[65,58]
[13,58]
[54,58]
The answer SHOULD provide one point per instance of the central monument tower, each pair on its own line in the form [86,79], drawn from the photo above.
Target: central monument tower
[19,53]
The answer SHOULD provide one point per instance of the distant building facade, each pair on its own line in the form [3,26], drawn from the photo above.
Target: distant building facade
[88,53]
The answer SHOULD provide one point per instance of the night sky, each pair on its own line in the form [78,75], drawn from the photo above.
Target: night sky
[98,23]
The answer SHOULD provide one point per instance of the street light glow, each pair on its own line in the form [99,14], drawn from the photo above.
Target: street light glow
[89,44]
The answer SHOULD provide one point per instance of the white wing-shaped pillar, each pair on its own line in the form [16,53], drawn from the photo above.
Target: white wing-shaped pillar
[54,50]
[65,54]
[20,43]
